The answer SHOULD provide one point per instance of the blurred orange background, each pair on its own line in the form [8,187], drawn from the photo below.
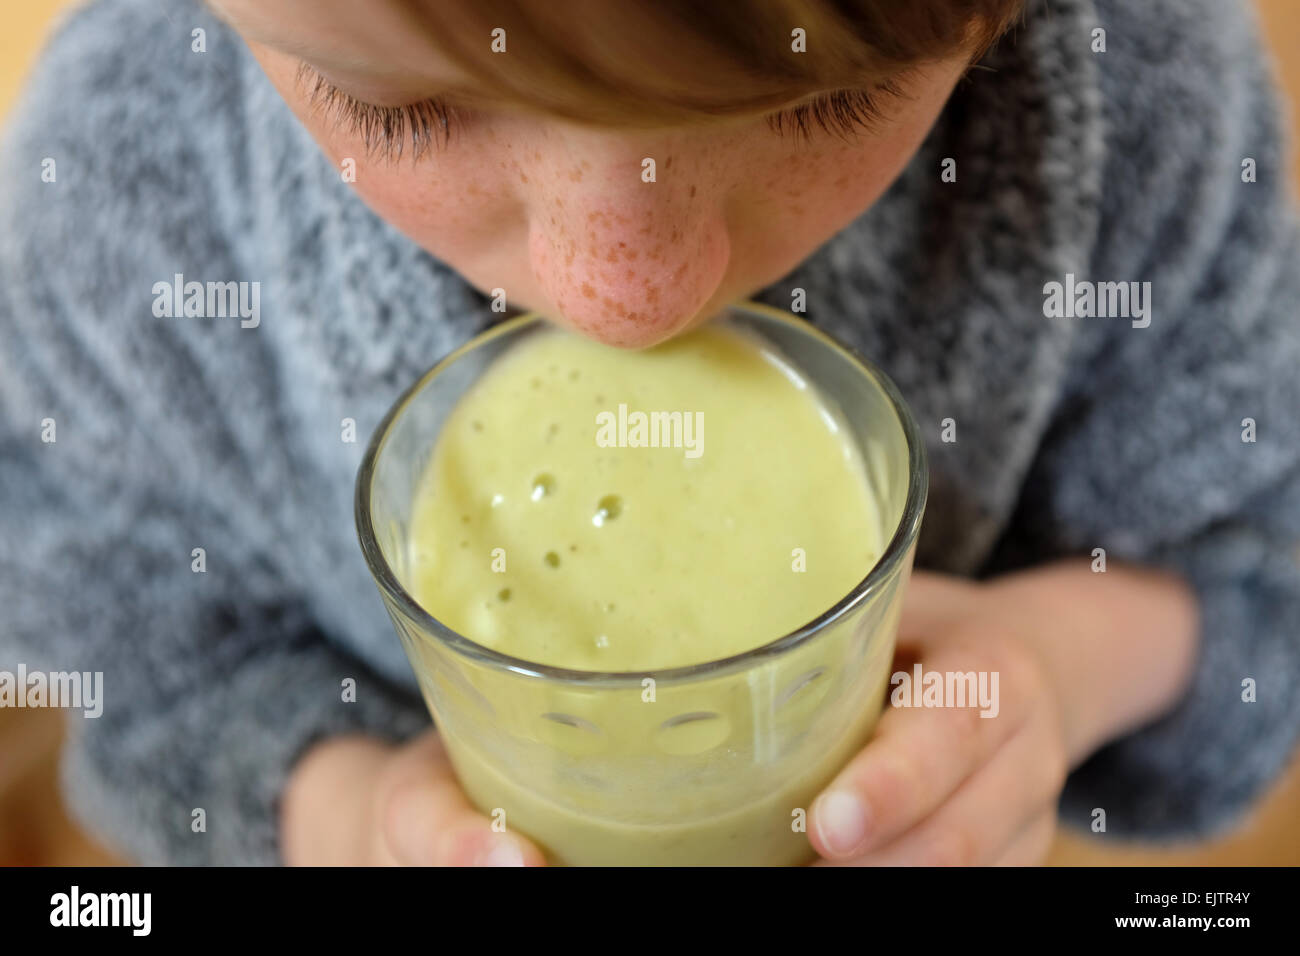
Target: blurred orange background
[35,830]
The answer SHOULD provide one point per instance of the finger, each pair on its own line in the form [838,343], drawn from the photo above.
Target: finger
[1031,846]
[988,813]
[426,819]
[930,601]
[918,758]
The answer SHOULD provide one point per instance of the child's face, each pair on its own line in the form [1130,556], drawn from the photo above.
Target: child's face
[558,214]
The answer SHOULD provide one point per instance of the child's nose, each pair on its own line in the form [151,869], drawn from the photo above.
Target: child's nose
[630,272]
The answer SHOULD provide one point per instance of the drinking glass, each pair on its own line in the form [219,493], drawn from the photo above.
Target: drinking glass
[713,763]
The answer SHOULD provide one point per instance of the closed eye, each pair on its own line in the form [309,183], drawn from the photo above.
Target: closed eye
[384,130]
[387,130]
[841,112]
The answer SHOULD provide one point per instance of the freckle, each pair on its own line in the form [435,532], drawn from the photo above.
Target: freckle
[591,236]
[537,156]
[523,178]
[652,295]
[585,164]
[575,174]
[675,236]
[668,163]
[622,312]
[681,271]
[692,192]
[592,216]
[643,231]
[607,302]
[473,189]
[587,291]
[622,245]
[630,274]
[612,256]
[568,259]
[631,255]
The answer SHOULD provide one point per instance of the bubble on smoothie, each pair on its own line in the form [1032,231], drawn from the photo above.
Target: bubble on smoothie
[607,509]
[543,485]
[552,559]
[602,640]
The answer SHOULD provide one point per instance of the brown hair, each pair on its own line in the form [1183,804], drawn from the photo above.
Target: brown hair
[658,62]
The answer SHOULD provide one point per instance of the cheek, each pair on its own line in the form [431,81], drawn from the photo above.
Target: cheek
[453,201]
[830,182]
[805,192]
[836,183]
[801,197]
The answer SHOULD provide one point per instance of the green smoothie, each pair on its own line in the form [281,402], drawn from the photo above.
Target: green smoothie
[606,510]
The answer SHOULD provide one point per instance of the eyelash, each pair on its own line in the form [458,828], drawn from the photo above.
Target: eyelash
[385,130]
[841,112]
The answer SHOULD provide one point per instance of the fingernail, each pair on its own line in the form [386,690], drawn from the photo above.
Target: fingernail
[840,817]
[501,853]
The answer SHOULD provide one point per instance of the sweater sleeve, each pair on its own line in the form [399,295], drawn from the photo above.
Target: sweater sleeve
[1178,445]
[129,441]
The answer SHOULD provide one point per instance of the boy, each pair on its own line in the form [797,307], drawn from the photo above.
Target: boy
[1115,496]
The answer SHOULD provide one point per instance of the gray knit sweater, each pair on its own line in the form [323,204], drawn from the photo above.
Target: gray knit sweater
[1073,433]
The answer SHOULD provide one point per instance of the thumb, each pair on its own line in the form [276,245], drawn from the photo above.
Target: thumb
[426,820]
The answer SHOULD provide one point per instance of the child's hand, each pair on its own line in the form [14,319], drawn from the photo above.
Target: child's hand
[360,801]
[945,785]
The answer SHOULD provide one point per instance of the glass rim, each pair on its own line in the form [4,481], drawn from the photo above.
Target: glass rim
[900,542]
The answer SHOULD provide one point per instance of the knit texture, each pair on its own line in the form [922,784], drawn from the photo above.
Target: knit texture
[183,433]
